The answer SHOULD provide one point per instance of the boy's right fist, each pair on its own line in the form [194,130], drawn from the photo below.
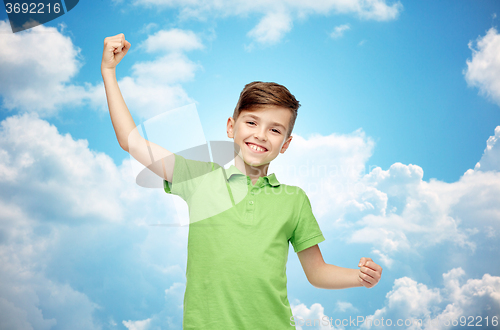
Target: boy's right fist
[115,48]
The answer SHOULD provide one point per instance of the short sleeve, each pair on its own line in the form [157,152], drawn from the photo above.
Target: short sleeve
[187,176]
[307,232]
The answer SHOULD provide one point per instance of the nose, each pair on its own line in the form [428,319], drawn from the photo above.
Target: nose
[260,134]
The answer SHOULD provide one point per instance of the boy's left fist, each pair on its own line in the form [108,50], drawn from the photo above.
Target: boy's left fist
[369,273]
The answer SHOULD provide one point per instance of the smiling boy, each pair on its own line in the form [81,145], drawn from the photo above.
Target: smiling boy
[242,219]
[259,146]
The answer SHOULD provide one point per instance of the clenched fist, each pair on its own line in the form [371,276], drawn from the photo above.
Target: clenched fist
[115,48]
[369,272]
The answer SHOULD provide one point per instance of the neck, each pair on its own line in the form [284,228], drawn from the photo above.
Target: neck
[254,172]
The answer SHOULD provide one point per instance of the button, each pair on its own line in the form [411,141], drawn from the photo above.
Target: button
[251,202]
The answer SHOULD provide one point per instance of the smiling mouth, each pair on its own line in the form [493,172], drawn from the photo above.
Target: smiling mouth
[256,148]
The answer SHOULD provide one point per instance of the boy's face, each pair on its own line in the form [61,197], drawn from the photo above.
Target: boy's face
[260,133]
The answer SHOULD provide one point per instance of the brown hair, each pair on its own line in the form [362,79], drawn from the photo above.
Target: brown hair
[259,93]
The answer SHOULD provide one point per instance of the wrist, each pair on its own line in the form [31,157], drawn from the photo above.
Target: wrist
[108,71]
[358,280]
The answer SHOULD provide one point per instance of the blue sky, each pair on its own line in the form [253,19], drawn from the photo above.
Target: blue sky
[402,97]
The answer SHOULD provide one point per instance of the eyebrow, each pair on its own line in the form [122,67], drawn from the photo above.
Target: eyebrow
[274,123]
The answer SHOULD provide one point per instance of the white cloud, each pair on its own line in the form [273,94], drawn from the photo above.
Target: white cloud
[271,28]
[36,63]
[310,318]
[424,214]
[490,161]
[176,293]
[378,10]
[412,301]
[411,214]
[173,40]
[278,15]
[342,306]
[167,70]
[148,27]
[338,31]
[384,258]
[137,325]
[483,71]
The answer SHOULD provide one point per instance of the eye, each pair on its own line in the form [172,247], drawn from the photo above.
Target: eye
[276,131]
[250,122]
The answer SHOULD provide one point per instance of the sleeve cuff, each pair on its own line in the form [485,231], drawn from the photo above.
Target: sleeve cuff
[308,243]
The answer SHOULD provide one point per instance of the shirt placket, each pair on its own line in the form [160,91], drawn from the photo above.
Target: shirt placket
[251,200]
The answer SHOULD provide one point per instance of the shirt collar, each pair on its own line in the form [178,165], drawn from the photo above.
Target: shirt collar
[233,170]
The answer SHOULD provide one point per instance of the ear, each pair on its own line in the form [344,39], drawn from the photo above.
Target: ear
[230,128]
[286,144]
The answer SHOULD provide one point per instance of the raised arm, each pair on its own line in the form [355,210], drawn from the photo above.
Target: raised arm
[156,158]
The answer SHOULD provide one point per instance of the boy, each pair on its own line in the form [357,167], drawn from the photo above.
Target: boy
[242,218]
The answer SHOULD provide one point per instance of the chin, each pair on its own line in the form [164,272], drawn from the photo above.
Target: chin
[249,162]
[252,164]
[257,164]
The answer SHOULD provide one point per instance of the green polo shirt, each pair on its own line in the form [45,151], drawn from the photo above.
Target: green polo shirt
[238,245]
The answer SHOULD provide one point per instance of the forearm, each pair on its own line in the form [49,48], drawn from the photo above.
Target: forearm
[122,120]
[334,277]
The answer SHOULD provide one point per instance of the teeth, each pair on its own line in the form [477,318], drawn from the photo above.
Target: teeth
[254,147]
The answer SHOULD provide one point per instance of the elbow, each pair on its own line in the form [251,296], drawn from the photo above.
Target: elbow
[123,145]
[314,277]
[314,283]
